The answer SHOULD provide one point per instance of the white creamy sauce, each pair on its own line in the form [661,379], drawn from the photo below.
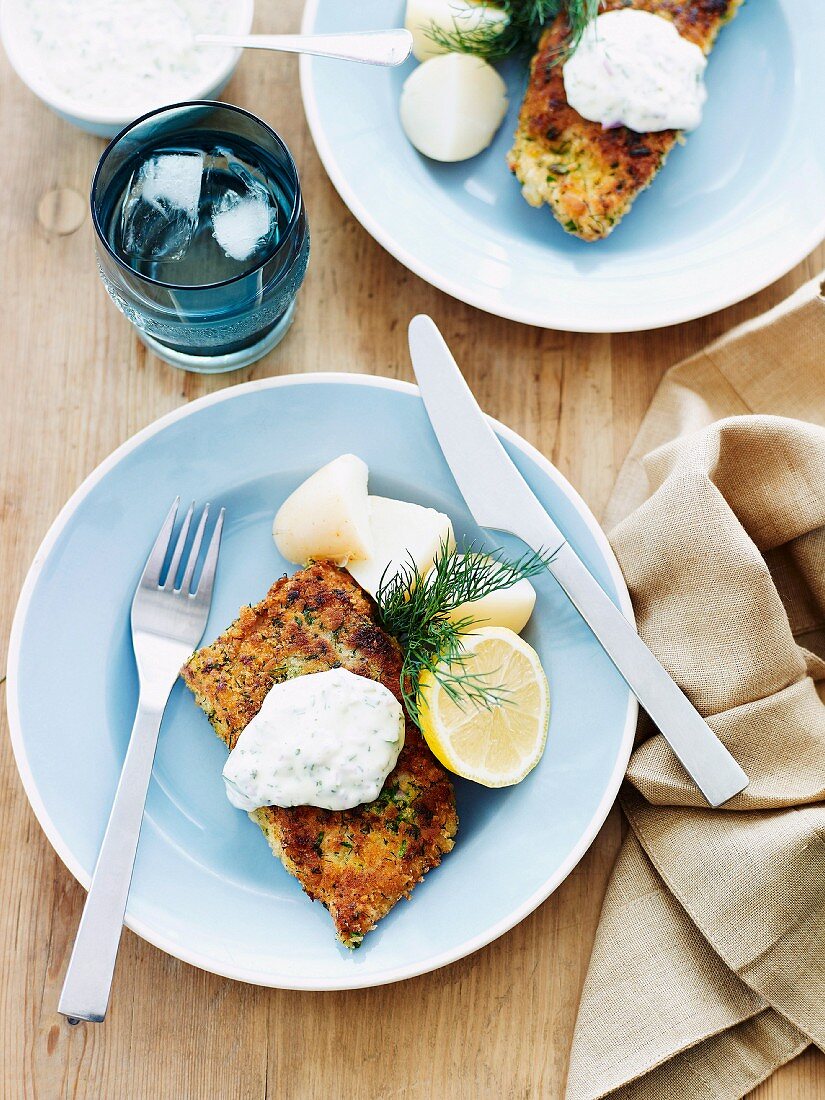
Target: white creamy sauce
[123,55]
[327,739]
[633,68]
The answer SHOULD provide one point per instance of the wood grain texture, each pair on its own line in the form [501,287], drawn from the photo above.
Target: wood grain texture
[76,383]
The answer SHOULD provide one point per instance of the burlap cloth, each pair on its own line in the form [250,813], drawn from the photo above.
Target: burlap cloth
[708,970]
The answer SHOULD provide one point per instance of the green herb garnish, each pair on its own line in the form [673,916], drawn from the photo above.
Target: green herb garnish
[526,19]
[416,610]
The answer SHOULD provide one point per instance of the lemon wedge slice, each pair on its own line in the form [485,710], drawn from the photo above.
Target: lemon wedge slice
[499,746]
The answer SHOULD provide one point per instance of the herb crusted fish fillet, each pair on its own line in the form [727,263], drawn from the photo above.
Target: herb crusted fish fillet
[360,862]
[587,175]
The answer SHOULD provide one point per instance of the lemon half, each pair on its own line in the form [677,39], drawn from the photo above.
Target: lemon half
[500,746]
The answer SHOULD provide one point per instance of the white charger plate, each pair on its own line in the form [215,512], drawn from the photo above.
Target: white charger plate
[734,209]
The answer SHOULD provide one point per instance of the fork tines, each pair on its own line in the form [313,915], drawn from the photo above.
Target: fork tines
[151,577]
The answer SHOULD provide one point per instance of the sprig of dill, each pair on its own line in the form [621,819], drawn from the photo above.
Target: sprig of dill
[526,19]
[416,610]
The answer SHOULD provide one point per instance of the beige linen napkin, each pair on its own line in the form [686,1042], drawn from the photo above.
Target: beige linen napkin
[708,970]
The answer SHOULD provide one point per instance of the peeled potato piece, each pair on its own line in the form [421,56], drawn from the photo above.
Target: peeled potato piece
[507,607]
[400,531]
[448,16]
[452,105]
[328,515]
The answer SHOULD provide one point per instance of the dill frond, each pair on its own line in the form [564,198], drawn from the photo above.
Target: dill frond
[526,19]
[416,610]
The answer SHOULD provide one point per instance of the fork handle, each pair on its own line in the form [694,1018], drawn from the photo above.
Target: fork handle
[390,47]
[88,980]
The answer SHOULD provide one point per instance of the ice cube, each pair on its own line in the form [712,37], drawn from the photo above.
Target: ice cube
[243,213]
[160,211]
[241,223]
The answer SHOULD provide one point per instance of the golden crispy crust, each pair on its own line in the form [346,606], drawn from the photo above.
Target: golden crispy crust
[589,176]
[358,862]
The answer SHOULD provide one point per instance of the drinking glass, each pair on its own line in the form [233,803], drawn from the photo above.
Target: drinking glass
[211,306]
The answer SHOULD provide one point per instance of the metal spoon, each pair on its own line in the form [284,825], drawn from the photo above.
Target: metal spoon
[372,47]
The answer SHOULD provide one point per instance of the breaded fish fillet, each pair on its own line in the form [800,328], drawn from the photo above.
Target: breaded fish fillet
[358,862]
[589,176]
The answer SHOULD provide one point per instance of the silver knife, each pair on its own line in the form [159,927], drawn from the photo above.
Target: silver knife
[500,498]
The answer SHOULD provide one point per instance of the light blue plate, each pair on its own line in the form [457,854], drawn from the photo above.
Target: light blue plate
[206,887]
[733,210]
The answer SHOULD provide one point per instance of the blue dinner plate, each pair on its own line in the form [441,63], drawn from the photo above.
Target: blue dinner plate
[734,209]
[206,887]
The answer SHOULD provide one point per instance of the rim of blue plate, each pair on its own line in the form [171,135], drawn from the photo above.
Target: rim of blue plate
[152,935]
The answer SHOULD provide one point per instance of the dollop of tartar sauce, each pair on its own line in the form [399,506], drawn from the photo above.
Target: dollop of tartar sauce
[633,68]
[326,739]
[124,55]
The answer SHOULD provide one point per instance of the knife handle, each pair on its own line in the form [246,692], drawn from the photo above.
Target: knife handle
[705,758]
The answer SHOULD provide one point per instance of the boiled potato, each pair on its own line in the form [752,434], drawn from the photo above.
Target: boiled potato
[448,16]
[328,515]
[508,607]
[452,105]
[400,531]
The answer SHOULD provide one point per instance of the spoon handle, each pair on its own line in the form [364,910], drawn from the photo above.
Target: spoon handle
[372,47]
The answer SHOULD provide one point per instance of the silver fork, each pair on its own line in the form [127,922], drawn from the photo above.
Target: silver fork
[391,47]
[167,624]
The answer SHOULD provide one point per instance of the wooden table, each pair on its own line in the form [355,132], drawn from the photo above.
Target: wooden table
[76,383]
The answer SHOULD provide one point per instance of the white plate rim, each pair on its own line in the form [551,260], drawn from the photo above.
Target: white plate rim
[483,301]
[151,935]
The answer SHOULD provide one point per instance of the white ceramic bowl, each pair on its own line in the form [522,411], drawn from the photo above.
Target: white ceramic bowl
[97,121]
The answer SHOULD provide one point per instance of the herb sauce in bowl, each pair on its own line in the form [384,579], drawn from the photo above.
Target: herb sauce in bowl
[102,63]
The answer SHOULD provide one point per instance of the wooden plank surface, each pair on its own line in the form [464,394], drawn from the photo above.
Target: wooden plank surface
[76,383]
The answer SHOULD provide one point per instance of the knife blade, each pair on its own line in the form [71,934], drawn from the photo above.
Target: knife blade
[500,498]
